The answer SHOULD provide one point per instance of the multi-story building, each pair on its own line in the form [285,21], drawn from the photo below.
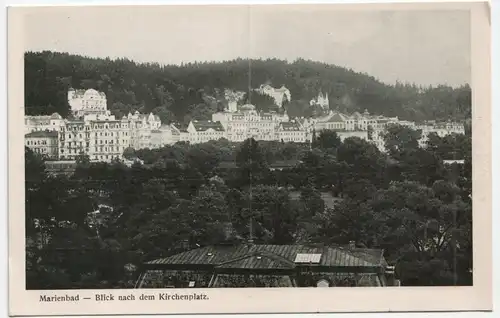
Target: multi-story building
[103,137]
[179,133]
[85,102]
[373,128]
[440,129]
[42,123]
[205,130]
[247,123]
[140,127]
[93,130]
[43,143]
[291,132]
[278,94]
[163,136]
[332,121]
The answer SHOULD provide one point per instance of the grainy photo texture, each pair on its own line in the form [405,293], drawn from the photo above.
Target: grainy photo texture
[247,147]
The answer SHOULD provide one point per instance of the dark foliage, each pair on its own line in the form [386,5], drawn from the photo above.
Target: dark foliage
[195,90]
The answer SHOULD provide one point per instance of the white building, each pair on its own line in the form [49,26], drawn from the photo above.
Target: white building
[205,130]
[248,123]
[233,97]
[291,132]
[140,127]
[440,129]
[42,123]
[278,94]
[373,128]
[42,142]
[83,102]
[94,131]
[101,140]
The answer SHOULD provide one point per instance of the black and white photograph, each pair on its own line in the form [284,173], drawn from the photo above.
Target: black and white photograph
[262,153]
[247,146]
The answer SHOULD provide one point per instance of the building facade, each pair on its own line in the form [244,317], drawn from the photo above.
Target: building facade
[84,102]
[248,123]
[42,142]
[42,123]
[291,132]
[92,131]
[373,128]
[201,131]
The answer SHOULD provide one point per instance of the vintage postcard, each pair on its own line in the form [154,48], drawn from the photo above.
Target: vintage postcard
[249,158]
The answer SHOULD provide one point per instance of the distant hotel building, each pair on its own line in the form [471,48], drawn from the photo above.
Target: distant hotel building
[92,130]
[372,127]
[42,142]
[42,123]
[95,132]
[278,94]
[87,102]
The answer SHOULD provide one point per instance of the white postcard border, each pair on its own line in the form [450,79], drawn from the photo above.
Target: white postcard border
[478,297]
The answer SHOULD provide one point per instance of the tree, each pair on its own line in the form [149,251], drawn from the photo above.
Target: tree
[34,167]
[170,91]
[399,139]
[262,102]
[313,203]
[268,209]
[129,153]
[251,161]
[361,160]
[327,140]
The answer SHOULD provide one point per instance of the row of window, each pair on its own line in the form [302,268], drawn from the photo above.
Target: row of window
[96,149]
[38,142]
[96,157]
[87,135]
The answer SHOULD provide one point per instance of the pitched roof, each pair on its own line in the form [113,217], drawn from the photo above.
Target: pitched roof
[203,125]
[273,256]
[290,126]
[41,134]
[337,118]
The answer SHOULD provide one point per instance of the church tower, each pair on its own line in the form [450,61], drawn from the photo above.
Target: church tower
[327,102]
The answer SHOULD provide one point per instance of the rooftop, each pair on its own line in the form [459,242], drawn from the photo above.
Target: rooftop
[41,134]
[290,126]
[254,256]
[203,125]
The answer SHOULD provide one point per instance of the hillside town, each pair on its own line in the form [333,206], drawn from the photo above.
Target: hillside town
[92,130]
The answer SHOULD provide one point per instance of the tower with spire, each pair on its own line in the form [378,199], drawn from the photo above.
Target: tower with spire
[321,100]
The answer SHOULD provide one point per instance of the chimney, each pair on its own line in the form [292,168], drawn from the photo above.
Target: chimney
[352,245]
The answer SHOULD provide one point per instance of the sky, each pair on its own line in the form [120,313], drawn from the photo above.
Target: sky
[412,46]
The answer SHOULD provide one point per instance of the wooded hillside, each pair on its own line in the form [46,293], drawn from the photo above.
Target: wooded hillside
[195,90]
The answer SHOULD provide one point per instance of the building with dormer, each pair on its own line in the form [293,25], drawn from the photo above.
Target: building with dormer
[249,123]
[291,131]
[278,94]
[84,102]
[42,123]
[205,130]
[42,142]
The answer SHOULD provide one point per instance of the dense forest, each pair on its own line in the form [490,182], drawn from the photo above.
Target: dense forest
[407,201]
[178,93]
